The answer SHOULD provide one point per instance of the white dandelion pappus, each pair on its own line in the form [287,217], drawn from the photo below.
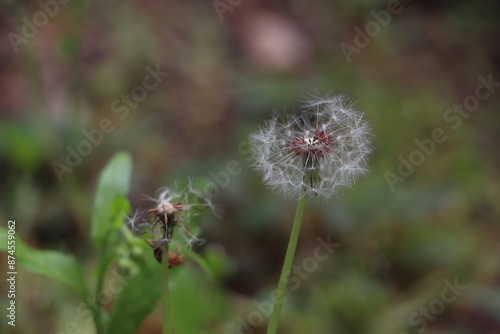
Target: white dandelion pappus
[175,208]
[317,151]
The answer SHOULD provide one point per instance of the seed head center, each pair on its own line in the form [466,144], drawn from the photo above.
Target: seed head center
[311,141]
[315,146]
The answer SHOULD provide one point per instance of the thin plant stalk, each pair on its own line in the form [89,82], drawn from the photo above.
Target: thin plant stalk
[167,324]
[98,314]
[287,266]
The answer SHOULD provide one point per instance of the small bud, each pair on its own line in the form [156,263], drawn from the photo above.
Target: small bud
[174,259]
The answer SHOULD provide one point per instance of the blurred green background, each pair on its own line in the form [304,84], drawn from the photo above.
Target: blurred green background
[230,65]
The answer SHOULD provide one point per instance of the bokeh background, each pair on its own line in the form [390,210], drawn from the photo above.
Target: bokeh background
[232,65]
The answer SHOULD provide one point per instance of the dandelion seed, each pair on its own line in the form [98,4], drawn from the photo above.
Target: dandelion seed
[316,151]
[135,222]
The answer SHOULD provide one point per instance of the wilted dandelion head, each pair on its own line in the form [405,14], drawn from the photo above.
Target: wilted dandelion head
[316,151]
[174,218]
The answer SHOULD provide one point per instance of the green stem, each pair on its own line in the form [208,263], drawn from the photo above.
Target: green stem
[98,314]
[168,327]
[287,267]
[98,311]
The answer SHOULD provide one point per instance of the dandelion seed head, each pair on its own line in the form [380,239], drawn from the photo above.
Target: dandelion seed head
[169,208]
[175,217]
[317,150]
[165,195]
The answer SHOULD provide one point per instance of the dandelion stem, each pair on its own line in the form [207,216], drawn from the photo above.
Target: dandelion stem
[287,265]
[167,324]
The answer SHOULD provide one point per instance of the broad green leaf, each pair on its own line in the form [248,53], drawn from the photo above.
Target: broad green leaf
[197,303]
[204,265]
[217,260]
[138,297]
[119,207]
[114,181]
[58,266]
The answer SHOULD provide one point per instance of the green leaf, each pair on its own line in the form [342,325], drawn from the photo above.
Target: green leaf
[119,207]
[197,304]
[202,263]
[138,298]
[114,181]
[58,266]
